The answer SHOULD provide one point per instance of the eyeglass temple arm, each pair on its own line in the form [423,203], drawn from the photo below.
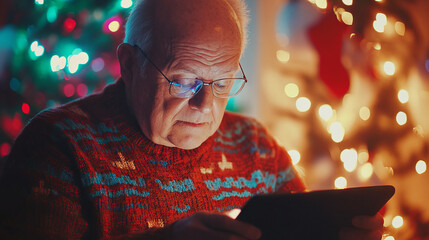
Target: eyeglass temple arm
[159,70]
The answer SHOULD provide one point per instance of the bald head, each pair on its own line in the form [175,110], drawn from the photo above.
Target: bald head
[152,21]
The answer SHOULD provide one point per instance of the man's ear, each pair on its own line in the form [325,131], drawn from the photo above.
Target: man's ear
[127,60]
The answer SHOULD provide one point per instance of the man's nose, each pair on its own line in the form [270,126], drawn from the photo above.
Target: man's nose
[203,100]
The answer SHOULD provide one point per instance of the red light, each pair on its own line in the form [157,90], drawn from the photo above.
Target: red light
[4,149]
[69,90]
[81,90]
[25,108]
[112,24]
[69,24]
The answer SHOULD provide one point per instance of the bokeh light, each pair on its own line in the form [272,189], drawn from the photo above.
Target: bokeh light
[303,104]
[25,108]
[337,132]
[69,24]
[397,222]
[4,149]
[326,112]
[389,68]
[126,3]
[291,90]
[295,156]
[69,90]
[340,183]
[364,113]
[421,167]
[283,56]
[401,118]
[403,96]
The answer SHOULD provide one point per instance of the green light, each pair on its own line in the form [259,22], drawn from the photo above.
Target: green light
[39,2]
[52,14]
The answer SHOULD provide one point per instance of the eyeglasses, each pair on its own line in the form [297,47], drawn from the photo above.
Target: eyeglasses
[188,87]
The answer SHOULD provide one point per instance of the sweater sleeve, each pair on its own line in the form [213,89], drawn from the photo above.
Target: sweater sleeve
[40,197]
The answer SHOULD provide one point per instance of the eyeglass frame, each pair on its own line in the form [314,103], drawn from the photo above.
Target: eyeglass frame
[204,83]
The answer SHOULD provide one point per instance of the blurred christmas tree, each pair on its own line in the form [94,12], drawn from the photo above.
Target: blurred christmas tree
[54,51]
[345,87]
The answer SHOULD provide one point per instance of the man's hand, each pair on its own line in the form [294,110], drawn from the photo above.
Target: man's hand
[365,227]
[209,226]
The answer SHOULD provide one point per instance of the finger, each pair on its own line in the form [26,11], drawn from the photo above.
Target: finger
[358,234]
[227,224]
[369,223]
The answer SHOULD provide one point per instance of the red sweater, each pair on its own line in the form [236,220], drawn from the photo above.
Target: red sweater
[85,170]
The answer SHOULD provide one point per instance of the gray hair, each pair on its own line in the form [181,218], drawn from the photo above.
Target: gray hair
[138,29]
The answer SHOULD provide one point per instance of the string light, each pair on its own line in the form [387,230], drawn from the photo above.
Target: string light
[400,28]
[348,2]
[364,113]
[337,132]
[322,4]
[126,3]
[25,108]
[365,171]
[347,18]
[58,63]
[403,96]
[340,183]
[295,156]
[283,56]
[303,104]
[397,222]
[401,118]
[389,68]
[350,158]
[421,167]
[326,112]
[380,22]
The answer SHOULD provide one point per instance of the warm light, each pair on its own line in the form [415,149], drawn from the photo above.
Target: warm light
[364,113]
[283,56]
[295,156]
[303,104]
[397,222]
[126,3]
[323,4]
[337,132]
[401,118]
[400,28]
[377,46]
[114,26]
[340,182]
[326,112]
[349,157]
[403,96]
[347,18]
[421,167]
[348,2]
[292,90]
[365,171]
[388,237]
[380,22]
[389,68]
[363,156]
[58,63]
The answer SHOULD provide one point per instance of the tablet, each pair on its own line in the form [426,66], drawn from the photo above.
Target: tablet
[315,214]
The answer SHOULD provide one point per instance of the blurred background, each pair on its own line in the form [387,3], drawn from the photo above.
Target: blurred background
[342,84]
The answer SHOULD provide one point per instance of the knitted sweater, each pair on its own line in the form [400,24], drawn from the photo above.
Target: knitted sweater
[85,170]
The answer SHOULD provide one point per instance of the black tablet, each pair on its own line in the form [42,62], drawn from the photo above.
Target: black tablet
[312,215]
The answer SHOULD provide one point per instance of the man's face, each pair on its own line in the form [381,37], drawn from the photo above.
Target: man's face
[207,53]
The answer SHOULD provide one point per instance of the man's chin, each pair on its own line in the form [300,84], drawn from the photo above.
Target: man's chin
[188,142]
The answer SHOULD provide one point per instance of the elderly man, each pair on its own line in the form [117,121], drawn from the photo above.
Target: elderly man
[155,155]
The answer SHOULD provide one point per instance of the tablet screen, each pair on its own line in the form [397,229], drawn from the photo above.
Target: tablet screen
[315,214]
